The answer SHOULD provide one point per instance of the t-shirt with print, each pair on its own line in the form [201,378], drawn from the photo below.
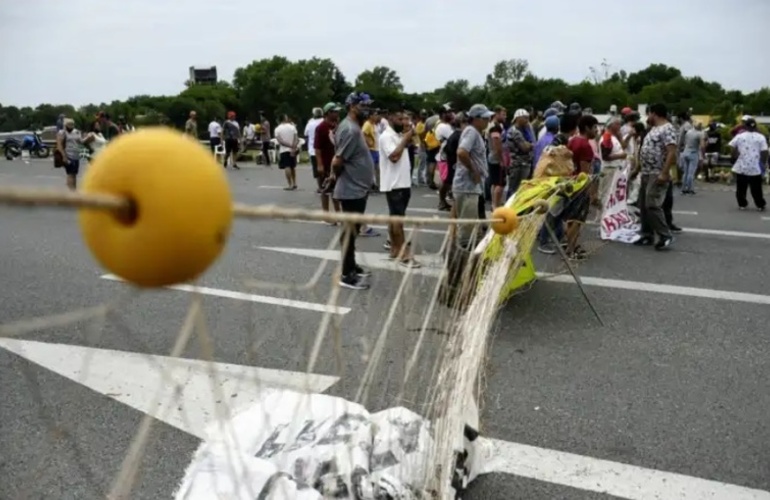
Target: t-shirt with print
[310,134]
[582,152]
[357,175]
[231,130]
[370,135]
[493,158]
[472,142]
[713,141]
[653,151]
[749,145]
[323,142]
[393,175]
[519,157]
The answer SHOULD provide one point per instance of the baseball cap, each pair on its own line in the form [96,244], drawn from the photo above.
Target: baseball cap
[550,112]
[626,111]
[552,123]
[520,112]
[575,107]
[746,118]
[750,123]
[331,106]
[358,98]
[479,111]
[558,105]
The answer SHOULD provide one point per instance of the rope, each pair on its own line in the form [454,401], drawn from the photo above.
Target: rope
[21,196]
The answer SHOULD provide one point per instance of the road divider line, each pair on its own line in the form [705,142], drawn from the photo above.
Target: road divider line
[611,478]
[250,297]
[683,212]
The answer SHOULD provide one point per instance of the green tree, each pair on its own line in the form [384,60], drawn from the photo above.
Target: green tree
[652,74]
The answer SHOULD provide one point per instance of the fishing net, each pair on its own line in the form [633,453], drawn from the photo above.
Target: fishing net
[406,425]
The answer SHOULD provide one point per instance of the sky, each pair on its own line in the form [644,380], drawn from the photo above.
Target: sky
[90,51]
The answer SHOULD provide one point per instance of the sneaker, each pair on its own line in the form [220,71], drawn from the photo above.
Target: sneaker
[444,207]
[548,249]
[362,273]
[742,208]
[644,241]
[236,167]
[664,242]
[369,233]
[386,245]
[674,228]
[410,264]
[353,282]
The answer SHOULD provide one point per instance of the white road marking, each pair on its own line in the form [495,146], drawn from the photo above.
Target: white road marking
[432,264]
[683,212]
[612,478]
[270,187]
[250,297]
[765,218]
[719,232]
[180,392]
[191,394]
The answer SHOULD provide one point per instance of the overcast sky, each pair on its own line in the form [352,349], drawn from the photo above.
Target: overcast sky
[83,51]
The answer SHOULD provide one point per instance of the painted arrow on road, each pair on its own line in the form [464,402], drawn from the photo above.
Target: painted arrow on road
[180,392]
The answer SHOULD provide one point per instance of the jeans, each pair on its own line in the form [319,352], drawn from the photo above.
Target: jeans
[422,164]
[556,225]
[651,198]
[349,233]
[690,168]
[467,207]
[749,182]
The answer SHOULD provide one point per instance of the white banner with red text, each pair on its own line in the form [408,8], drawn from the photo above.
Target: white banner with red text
[617,223]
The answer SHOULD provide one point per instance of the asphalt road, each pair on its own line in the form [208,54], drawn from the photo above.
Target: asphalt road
[674,382]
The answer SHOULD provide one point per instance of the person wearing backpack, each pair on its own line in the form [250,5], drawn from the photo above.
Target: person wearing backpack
[232,135]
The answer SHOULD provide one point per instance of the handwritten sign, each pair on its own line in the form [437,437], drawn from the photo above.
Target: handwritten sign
[617,223]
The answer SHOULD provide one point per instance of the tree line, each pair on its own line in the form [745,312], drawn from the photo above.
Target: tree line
[277,86]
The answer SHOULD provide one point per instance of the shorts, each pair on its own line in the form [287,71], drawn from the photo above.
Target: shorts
[576,207]
[314,167]
[231,147]
[287,160]
[712,158]
[398,201]
[431,155]
[375,158]
[497,174]
[73,167]
[214,142]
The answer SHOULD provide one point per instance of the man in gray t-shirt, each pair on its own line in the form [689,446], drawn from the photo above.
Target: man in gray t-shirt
[470,171]
[357,171]
[353,170]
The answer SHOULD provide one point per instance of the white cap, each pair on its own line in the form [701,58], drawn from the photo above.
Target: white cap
[519,113]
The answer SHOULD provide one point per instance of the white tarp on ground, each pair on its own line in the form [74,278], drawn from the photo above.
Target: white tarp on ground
[295,446]
[617,224]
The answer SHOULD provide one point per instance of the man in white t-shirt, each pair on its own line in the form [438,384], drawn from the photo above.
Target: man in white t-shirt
[443,131]
[613,157]
[396,181]
[288,139]
[749,152]
[310,138]
[215,134]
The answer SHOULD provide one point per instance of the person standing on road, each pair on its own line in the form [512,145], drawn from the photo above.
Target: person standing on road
[470,172]
[442,131]
[310,138]
[522,147]
[396,181]
[749,154]
[288,139]
[68,142]
[264,136]
[323,142]
[658,156]
[94,140]
[712,147]
[495,157]
[191,126]
[691,157]
[215,134]
[232,135]
[353,170]
[371,136]
[613,156]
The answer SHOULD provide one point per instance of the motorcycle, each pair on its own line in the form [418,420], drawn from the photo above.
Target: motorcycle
[13,147]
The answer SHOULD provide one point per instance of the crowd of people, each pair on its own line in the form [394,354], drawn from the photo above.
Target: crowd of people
[474,159]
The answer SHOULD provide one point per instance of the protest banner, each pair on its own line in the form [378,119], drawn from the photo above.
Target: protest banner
[617,224]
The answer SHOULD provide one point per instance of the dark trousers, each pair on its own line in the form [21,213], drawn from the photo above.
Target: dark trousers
[482,208]
[668,205]
[652,197]
[266,151]
[753,183]
[349,233]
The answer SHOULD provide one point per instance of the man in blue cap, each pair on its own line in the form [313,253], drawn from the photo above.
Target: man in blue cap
[470,171]
[353,169]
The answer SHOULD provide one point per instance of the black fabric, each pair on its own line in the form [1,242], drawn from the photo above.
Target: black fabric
[348,237]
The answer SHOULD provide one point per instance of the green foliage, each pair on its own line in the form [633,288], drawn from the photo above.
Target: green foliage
[277,86]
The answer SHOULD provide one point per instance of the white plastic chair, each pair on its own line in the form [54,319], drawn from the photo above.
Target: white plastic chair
[219,150]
